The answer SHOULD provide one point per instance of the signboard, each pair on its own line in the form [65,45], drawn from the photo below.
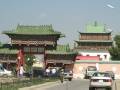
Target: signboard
[33,49]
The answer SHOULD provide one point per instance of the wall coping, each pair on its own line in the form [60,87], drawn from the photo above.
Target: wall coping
[100,62]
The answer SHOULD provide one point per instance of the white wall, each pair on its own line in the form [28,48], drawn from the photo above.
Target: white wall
[97,53]
[80,67]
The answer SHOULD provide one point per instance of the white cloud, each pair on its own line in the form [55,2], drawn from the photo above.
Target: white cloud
[110,6]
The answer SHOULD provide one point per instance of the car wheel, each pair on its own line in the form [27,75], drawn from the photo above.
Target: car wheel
[70,79]
[113,78]
[109,88]
[86,77]
[91,88]
[61,79]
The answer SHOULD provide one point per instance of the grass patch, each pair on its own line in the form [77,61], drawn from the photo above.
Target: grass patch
[16,84]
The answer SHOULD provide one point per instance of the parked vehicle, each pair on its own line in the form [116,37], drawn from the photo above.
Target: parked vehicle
[68,74]
[37,72]
[4,72]
[90,70]
[101,80]
[111,74]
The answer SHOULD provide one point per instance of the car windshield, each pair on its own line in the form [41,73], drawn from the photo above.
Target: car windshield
[110,72]
[92,69]
[101,74]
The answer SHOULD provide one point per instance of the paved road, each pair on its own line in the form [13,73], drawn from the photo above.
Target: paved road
[67,85]
[73,85]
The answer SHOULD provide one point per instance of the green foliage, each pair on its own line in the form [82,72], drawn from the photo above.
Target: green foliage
[29,60]
[117,40]
[115,50]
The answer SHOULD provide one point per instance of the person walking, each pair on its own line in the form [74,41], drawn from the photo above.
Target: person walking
[47,72]
[53,72]
[62,75]
[21,71]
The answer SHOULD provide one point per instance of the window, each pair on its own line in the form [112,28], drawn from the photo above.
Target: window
[98,55]
[105,56]
[80,54]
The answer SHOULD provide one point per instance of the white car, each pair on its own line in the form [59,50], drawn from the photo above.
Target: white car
[4,72]
[68,74]
[101,80]
[90,70]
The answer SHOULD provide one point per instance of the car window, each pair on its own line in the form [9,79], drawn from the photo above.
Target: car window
[101,75]
[1,69]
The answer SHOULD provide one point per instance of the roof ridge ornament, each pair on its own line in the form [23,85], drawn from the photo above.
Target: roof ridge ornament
[95,23]
[105,27]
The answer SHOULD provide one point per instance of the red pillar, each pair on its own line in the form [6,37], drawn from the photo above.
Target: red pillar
[20,60]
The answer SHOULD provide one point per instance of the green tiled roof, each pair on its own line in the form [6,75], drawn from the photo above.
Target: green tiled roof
[59,52]
[91,51]
[33,30]
[95,28]
[8,51]
[64,48]
[61,49]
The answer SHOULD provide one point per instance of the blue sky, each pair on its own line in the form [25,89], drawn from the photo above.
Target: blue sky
[66,16]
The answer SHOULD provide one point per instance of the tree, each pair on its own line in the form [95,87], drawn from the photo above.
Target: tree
[115,50]
[29,60]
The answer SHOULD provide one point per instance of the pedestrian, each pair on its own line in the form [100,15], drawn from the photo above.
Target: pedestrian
[21,71]
[31,73]
[47,72]
[53,71]
[62,75]
[18,71]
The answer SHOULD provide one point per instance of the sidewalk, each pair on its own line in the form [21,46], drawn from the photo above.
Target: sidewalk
[41,86]
[117,85]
